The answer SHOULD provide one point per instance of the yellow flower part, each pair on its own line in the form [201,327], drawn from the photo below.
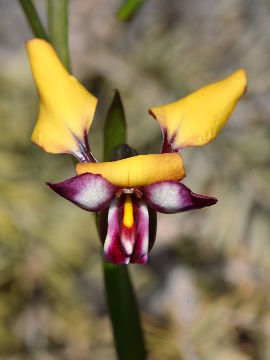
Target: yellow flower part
[128,218]
[66,108]
[197,118]
[137,170]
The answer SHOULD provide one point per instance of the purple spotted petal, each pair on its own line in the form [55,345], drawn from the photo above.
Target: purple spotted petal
[89,191]
[140,251]
[172,197]
[114,252]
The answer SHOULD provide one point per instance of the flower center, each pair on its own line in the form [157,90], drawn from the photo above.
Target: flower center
[129,191]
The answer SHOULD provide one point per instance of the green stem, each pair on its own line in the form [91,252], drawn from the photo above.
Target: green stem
[128,9]
[33,19]
[124,313]
[58,26]
[121,300]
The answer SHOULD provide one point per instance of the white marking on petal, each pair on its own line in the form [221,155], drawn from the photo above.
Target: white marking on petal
[128,244]
[93,194]
[166,196]
[141,247]
[145,240]
[112,225]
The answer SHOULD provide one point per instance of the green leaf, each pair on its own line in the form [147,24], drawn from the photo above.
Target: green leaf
[58,26]
[33,19]
[121,300]
[124,313]
[115,126]
[128,9]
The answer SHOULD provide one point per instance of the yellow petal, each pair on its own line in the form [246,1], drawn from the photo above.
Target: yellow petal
[138,170]
[197,118]
[66,108]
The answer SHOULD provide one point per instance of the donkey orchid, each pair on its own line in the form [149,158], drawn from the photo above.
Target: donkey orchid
[128,187]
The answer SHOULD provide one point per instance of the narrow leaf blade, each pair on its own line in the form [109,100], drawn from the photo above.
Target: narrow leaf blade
[128,9]
[124,313]
[115,126]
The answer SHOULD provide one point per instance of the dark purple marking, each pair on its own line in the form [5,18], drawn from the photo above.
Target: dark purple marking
[168,144]
[85,155]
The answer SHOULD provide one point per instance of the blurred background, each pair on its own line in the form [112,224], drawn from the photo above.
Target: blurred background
[205,293]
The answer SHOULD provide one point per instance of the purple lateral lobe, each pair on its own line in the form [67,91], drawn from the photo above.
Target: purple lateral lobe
[118,247]
[171,197]
[90,192]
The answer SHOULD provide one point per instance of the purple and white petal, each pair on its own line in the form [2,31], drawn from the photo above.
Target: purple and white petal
[90,192]
[121,247]
[172,197]
[140,250]
[114,252]
[128,238]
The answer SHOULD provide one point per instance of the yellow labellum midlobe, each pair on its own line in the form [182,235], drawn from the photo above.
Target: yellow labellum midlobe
[138,170]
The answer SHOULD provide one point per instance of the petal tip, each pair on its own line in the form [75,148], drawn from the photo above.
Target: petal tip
[33,43]
[201,201]
[56,187]
[242,78]
[150,112]
[242,72]
[51,185]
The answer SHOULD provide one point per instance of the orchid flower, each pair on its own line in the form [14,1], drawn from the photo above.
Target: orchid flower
[128,188]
